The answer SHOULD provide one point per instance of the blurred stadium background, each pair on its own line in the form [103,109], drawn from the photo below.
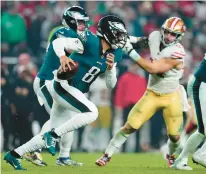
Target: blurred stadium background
[25,28]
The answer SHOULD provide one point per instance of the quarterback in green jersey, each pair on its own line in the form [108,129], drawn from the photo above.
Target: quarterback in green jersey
[96,54]
[75,23]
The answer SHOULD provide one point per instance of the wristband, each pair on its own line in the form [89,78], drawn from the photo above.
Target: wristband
[134,55]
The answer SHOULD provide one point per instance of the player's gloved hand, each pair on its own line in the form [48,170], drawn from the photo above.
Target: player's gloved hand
[128,47]
[110,61]
[129,50]
[65,63]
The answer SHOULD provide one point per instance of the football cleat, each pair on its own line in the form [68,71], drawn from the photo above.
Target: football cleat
[103,160]
[181,165]
[14,162]
[67,162]
[35,158]
[199,158]
[50,142]
[170,159]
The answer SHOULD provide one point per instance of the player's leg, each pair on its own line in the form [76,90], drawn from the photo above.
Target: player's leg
[65,141]
[45,99]
[36,142]
[173,117]
[41,89]
[195,139]
[64,158]
[139,114]
[71,99]
[200,154]
[13,157]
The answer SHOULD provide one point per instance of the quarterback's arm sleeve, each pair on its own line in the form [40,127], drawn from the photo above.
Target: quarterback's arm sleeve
[69,44]
[111,77]
[139,42]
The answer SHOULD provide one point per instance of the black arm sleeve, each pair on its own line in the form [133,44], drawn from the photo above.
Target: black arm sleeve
[141,44]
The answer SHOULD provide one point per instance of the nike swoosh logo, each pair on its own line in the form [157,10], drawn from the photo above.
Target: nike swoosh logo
[61,32]
[14,165]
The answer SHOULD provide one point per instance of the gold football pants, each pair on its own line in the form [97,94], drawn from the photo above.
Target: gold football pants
[150,103]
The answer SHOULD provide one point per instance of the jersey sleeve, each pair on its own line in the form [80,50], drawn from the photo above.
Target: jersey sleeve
[111,77]
[178,52]
[69,44]
[154,36]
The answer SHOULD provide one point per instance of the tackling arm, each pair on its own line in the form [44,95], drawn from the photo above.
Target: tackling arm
[159,66]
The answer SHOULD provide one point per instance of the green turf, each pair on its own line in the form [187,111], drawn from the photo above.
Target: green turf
[120,164]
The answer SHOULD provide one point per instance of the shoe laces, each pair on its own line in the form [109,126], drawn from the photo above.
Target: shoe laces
[53,141]
[105,158]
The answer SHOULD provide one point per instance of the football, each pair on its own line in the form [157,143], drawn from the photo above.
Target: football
[69,73]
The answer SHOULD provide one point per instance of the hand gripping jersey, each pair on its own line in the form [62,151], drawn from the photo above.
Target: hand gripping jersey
[51,60]
[167,82]
[200,74]
[91,63]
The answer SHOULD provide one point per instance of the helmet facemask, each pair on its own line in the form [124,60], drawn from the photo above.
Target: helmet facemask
[119,38]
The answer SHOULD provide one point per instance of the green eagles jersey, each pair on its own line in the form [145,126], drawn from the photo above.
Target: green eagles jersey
[201,71]
[51,60]
[91,63]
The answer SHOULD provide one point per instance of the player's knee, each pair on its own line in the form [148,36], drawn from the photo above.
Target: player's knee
[94,112]
[174,138]
[94,109]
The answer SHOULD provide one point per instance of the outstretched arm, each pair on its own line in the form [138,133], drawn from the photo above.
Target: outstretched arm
[159,66]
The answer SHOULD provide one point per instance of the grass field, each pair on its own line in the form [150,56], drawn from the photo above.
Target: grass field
[120,164]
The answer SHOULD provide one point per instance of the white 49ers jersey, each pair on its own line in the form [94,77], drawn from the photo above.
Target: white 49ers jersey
[167,82]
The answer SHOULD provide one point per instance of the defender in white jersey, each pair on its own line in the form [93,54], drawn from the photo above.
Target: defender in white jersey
[163,91]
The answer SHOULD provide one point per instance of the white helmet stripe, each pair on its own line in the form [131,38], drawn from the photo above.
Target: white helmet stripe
[174,23]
